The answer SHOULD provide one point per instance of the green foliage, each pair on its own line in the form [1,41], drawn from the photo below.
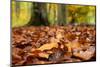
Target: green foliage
[81,14]
[28,13]
[21,13]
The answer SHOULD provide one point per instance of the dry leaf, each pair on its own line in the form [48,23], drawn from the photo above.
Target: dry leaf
[48,46]
[44,55]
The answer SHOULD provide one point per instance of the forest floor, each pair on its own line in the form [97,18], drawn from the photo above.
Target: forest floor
[53,44]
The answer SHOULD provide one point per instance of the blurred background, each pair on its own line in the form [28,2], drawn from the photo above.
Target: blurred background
[50,14]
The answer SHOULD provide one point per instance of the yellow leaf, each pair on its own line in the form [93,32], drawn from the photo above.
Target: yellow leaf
[48,46]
